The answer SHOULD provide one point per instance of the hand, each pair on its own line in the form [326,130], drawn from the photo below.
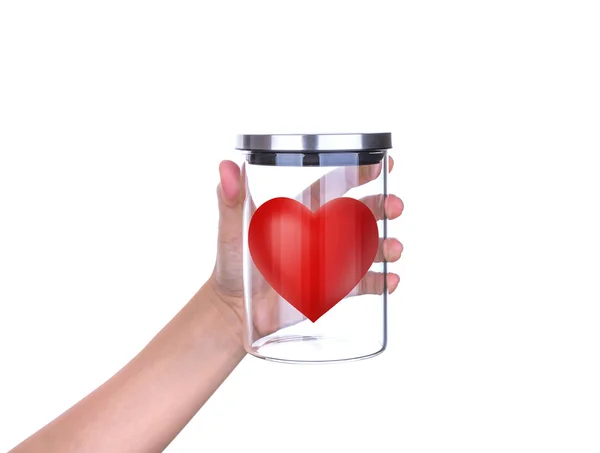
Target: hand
[193,354]
[227,277]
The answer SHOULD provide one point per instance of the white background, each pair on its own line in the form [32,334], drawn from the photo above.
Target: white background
[114,116]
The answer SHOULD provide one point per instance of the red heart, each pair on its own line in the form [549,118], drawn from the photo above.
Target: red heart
[313,260]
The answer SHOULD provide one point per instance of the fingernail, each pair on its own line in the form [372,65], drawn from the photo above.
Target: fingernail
[393,282]
[397,247]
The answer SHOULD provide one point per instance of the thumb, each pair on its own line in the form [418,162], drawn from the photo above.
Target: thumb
[230,203]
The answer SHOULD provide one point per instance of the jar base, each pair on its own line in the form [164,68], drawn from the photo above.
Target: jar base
[314,349]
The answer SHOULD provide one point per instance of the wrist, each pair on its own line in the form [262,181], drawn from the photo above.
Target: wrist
[225,319]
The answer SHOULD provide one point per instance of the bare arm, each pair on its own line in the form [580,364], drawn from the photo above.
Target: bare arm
[147,403]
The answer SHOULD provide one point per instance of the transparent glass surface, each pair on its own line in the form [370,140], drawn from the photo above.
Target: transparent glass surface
[324,250]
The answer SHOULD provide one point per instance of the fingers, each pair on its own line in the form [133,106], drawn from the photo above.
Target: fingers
[369,173]
[394,207]
[339,181]
[390,163]
[389,250]
[377,203]
[374,283]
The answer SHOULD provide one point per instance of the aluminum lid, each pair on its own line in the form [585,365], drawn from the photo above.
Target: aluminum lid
[314,142]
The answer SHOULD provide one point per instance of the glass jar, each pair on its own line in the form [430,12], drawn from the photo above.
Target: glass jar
[315,285]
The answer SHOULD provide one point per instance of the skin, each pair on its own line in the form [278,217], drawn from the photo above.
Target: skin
[145,405]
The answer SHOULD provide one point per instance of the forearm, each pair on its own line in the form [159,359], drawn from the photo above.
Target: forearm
[147,403]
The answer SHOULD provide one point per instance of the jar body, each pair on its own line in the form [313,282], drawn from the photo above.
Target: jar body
[315,278]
